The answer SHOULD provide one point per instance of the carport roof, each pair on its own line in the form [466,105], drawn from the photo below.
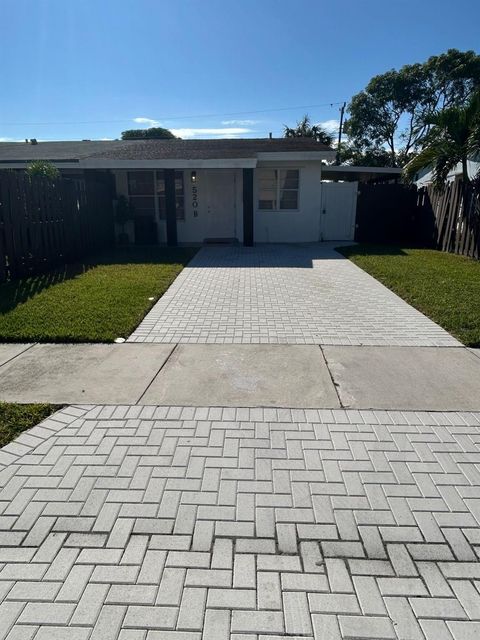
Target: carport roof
[349,173]
[74,151]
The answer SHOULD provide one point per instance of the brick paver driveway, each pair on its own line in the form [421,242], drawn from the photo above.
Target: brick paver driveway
[283,294]
[158,523]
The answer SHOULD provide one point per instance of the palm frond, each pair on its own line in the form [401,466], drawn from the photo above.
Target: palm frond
[422,160]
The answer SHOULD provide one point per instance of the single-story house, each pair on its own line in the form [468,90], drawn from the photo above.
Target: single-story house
[194,191]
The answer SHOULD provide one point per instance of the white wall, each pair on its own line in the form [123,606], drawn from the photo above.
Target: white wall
[194,228]
[291,226]
[303,225]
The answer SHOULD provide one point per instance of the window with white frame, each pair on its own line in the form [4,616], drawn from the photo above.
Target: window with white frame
[278,189]
[146,190]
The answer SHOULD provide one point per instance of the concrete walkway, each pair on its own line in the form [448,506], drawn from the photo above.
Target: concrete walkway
[283,294]
[147,523]
[319,480]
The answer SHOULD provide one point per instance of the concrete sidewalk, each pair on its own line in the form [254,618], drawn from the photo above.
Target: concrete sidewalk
[307,376]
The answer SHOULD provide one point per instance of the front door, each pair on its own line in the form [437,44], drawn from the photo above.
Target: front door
[221,205]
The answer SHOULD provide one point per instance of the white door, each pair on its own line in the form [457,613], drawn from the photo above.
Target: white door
[221,204]
[339,206]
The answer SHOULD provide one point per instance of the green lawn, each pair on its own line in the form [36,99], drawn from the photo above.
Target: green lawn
[443,286]
[15,418]
[95,301]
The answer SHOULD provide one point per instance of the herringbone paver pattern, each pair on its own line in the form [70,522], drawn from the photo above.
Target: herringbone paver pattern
[288,294]
[162,523]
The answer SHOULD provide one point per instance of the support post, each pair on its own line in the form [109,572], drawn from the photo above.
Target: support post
[171,208]
[339,144]
[248,207]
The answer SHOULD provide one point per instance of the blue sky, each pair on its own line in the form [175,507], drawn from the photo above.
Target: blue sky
[74,69]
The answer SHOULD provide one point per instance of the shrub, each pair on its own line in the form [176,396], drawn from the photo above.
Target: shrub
[43,169]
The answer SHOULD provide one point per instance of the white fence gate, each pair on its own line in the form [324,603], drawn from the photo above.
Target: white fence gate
[338,210]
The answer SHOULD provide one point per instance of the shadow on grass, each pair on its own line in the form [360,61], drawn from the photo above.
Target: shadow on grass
[18,291]
[374,250]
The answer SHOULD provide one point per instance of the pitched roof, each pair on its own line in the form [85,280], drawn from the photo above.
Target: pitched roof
[60,151]
[154,149]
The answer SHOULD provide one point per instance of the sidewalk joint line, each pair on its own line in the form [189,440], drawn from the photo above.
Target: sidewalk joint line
[331,377]
[156,375]
[34,344]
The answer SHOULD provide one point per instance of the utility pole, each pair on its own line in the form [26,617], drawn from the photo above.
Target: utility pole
[342,111]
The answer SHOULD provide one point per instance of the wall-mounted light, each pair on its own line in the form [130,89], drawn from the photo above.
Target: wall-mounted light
[193,177]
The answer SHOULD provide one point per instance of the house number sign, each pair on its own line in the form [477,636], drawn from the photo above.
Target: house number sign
[195,200]
[193,178]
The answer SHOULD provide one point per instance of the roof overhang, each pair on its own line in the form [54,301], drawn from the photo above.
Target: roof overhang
[23,164]
[295,156]
[220,163]
[111,163]
[361,174]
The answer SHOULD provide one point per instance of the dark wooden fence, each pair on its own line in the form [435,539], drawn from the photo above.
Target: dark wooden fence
[45,223]
[386,213]
[455,218]
[397,213]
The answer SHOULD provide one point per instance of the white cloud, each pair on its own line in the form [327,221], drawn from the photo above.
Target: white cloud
[11,140]
[220,132]
[149,121]
[241,123]
[332,126]
[237,128]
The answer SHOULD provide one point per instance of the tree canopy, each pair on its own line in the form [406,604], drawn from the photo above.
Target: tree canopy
[154,133]
[394,109]
[454,137]
[365,157]
[305,129]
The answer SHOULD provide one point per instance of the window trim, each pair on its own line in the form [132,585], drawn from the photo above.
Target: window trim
[155,195]
[278,190]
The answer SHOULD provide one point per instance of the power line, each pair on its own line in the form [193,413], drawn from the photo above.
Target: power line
[164,118]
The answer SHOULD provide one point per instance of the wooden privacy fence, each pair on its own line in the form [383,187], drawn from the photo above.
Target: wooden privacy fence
[455,218]
[44,223]
[386,213]
[398,213]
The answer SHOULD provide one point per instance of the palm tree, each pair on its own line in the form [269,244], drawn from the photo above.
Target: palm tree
[305,129]
[453,138]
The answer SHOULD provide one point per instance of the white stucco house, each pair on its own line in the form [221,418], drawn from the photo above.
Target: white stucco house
[194,191]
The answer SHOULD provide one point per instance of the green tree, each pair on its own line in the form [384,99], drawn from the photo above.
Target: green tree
[305,129]
[43,169]
[365,156]
[394,108]
[454,137]
[154,133]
